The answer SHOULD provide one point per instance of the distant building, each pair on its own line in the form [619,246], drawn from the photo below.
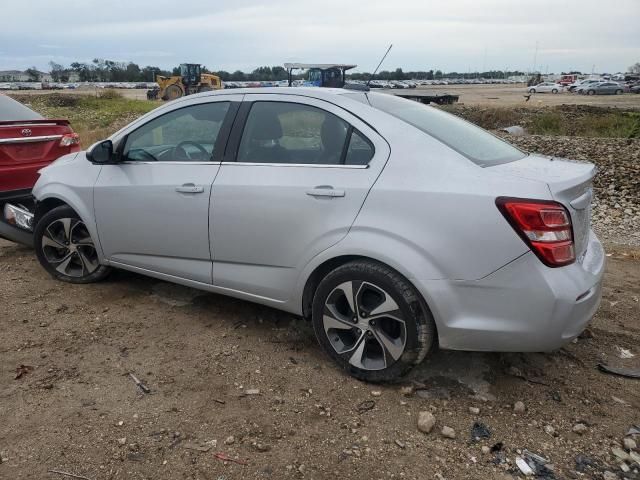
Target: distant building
[18,76]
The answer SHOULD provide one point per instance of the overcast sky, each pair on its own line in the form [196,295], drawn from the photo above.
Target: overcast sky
[450,35]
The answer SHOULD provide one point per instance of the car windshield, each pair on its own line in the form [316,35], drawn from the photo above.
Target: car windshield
[478,145]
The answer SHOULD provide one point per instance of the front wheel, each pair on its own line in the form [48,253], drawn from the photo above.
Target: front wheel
[532,90]
[618,92]
[555,90]
[65,248]
[591,92]
[372,321]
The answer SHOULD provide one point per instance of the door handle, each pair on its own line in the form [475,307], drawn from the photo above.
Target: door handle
[189,188]
[325,191]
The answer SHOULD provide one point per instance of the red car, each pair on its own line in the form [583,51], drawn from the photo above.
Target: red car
[28,142]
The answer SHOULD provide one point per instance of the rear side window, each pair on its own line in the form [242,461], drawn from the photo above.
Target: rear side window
[294,133]
[473,142]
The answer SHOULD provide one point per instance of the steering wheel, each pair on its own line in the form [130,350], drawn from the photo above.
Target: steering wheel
[184,154]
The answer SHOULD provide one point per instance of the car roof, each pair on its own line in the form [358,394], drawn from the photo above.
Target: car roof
[11,110]
[314,92]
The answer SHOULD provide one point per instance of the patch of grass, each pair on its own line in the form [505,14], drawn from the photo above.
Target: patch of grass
[93,118]
[548,123]
[566,120]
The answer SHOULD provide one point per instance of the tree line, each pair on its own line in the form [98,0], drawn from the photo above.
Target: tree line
[103,70]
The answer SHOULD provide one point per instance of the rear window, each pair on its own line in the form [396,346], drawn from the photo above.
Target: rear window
[478,145]
[12,110]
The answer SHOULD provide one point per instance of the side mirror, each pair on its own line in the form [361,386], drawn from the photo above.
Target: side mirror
[101,152]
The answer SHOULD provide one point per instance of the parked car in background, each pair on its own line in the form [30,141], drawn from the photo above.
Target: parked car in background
[546,87]
[583,83]
[602,88]
[635,89]
[393,226]
[28,142]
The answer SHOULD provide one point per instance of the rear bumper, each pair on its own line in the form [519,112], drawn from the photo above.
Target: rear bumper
[20,177]
[522,307]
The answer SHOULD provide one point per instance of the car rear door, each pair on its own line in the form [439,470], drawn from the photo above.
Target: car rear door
[295,175]
[152,208]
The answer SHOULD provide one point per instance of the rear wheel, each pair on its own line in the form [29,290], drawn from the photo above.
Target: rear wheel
[555,90]
[204,88]
[372,321]
[618,92]
[65,248]
[172,92]
[532,90]
[591,92]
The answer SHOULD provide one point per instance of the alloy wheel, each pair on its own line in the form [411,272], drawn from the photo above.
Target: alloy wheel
[364,325]
[68,248]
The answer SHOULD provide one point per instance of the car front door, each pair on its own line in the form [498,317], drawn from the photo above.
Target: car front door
[296,172]
[152,207]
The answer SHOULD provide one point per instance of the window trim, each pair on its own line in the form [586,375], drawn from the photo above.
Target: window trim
[233,144]
[216,154]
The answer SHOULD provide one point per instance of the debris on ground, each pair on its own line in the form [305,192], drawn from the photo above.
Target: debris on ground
[519,407]
[226,458]
[624,352]
[621,371]
[67,474]
[515,130]
[22,370]
[479,430]
[524,467]
[139,384]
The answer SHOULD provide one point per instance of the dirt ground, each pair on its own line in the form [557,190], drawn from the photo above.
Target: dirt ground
[485,95]
[201,355]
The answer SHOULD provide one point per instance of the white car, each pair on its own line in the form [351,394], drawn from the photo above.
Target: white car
[546,87]
[391,225]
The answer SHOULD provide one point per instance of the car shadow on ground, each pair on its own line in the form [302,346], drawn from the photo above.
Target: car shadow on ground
[442,375]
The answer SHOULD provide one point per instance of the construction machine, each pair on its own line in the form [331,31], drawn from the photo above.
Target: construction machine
[191,80]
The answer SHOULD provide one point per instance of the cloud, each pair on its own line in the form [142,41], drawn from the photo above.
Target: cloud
[453,35]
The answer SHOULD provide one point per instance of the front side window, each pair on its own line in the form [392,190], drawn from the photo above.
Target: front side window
[185,135]
[293,133]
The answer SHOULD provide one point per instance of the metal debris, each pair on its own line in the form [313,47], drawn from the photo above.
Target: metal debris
[140,385]
[623,372]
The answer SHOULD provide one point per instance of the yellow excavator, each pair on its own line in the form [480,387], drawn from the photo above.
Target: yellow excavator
[191,80]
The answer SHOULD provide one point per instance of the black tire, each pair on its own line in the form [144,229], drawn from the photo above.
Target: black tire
[204,88]
[82,265]
[532,90]
[172,92]
[619,92]
[418,328]
[555,90]
[591,92]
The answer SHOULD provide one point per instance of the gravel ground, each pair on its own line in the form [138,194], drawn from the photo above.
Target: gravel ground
[616,208]
[232,378]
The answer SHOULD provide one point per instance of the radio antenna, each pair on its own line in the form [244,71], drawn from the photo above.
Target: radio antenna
[376,70]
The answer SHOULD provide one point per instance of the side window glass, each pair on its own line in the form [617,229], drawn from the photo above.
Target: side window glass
[282,132]
[360,150]
[185,135]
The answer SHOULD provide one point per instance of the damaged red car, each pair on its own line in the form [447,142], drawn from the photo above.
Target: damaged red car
[28,142]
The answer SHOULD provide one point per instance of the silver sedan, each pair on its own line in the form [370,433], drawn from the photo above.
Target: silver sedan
[393,226]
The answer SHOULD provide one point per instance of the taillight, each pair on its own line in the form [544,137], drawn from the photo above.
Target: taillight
[544,226]
[69,140]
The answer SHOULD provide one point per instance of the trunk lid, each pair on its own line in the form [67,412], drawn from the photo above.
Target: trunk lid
[569,182]
[31,141]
